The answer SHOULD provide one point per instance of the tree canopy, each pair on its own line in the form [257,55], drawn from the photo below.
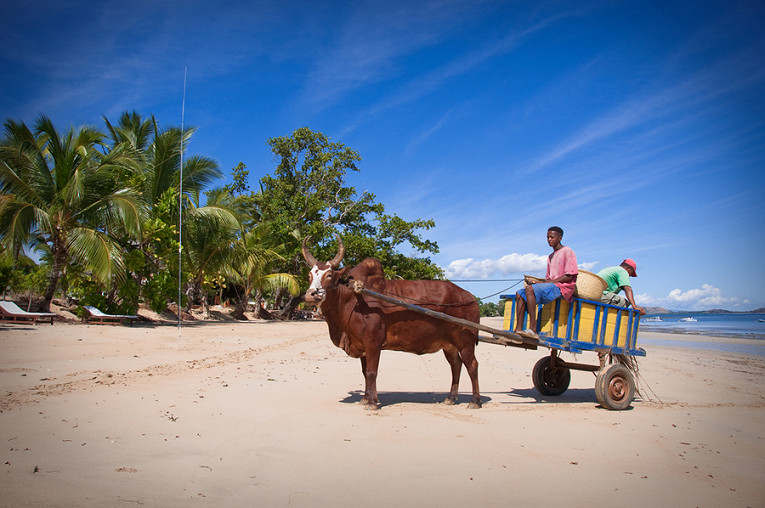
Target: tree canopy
[105,209]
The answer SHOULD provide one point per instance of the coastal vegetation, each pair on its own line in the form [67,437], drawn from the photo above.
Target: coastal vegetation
[122,216]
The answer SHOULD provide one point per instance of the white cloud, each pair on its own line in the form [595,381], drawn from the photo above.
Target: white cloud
[470,268]
[704,298]
[532,264]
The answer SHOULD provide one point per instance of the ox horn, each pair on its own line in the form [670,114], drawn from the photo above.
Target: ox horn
[335,263]
[309,259]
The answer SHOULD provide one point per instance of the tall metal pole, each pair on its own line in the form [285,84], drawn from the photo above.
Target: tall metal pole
[180,203]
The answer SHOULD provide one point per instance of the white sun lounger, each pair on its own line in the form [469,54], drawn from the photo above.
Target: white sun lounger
[93,313]
[11,311]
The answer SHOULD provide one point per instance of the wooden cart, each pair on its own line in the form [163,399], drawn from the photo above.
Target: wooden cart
[576,327]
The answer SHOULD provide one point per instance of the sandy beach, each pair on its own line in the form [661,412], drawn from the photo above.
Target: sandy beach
[266,414]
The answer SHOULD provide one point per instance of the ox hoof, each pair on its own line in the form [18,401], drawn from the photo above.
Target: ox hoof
[449,402]
[474,405]
[370,406]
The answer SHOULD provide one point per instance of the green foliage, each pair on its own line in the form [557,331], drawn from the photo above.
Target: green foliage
[21,275]
[9,276]
[32,281]
[105,210]
[161,288]
[239,185]
[491,309]
[61,189]
[308,196]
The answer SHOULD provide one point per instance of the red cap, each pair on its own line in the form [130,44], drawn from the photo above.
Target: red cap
[631,262]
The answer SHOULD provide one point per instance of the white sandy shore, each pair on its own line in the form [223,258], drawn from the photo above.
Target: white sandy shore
[265,414]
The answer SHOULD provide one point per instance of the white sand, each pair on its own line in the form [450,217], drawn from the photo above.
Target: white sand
[265,414]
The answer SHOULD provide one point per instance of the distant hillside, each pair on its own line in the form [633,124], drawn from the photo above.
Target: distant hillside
[662,310]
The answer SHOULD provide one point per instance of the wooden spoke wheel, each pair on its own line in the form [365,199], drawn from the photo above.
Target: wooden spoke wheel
[614,387]
[549,379]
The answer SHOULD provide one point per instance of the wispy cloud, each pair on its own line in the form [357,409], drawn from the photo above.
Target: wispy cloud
[427,83]
[422,136]
[669,101]
[372,40]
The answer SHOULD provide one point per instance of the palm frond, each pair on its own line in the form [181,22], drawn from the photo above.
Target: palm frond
[97,252]
[17,220]
[282,280]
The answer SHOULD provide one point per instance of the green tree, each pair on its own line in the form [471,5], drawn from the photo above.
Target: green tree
[491,309]
[252,270]
[307,195]
[13,272]
[61,190]
[210,234]
[157,172]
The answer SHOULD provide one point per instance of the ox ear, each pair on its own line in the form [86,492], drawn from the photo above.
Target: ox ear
[335,263]
[339,274]
[309,259]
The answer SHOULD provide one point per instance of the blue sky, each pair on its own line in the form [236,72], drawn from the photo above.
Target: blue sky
[638,127]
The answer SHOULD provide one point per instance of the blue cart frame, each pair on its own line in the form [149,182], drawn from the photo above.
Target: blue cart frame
[579,326]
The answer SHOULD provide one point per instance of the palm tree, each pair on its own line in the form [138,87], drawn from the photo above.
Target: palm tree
[159,155]
[210,233]
[158,176]
[61,190]
[250,269]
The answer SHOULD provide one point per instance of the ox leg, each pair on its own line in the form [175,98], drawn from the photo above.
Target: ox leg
[369,364]
[453,357]
[467,355]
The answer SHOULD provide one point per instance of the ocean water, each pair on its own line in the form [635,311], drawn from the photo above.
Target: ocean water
[747,326]
[741,326]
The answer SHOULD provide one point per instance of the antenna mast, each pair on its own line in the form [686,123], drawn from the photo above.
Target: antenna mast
[180,202]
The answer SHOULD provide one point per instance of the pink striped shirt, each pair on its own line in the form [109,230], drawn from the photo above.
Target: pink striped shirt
[563,262]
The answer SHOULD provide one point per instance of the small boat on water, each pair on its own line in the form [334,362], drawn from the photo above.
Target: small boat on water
[653,319]
[690,319]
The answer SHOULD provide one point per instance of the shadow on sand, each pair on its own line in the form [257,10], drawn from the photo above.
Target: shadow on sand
[585,396]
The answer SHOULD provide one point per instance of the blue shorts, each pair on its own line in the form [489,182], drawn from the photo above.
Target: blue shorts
[544,292]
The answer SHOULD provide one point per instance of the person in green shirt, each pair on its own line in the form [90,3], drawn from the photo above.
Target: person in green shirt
[617,279]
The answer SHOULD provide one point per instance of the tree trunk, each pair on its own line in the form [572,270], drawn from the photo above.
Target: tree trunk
[205,307]
[260,311]
[191,295]
[55,275]
[289,308]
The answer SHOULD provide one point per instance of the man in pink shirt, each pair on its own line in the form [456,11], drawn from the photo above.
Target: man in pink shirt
[560,281]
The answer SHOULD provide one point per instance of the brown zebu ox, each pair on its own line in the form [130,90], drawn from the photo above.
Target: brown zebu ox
[363,325]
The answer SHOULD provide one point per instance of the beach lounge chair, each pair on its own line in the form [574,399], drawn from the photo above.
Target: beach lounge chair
[92,314]
[11,311]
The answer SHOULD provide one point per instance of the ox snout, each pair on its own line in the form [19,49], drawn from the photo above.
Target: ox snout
[314,295]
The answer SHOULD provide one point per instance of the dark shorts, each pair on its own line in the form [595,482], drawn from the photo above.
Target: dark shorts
[614,299]
[544,293]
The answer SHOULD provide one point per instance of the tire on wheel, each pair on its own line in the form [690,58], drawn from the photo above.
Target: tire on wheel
[550,380]
[614,387]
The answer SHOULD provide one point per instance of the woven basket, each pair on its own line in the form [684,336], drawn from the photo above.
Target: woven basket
[589,286]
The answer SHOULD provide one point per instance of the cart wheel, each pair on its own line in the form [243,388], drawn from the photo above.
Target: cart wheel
[549,380]
[614,387]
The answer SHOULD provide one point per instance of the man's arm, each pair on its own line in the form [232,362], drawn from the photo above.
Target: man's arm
[631,298]
[562,278]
